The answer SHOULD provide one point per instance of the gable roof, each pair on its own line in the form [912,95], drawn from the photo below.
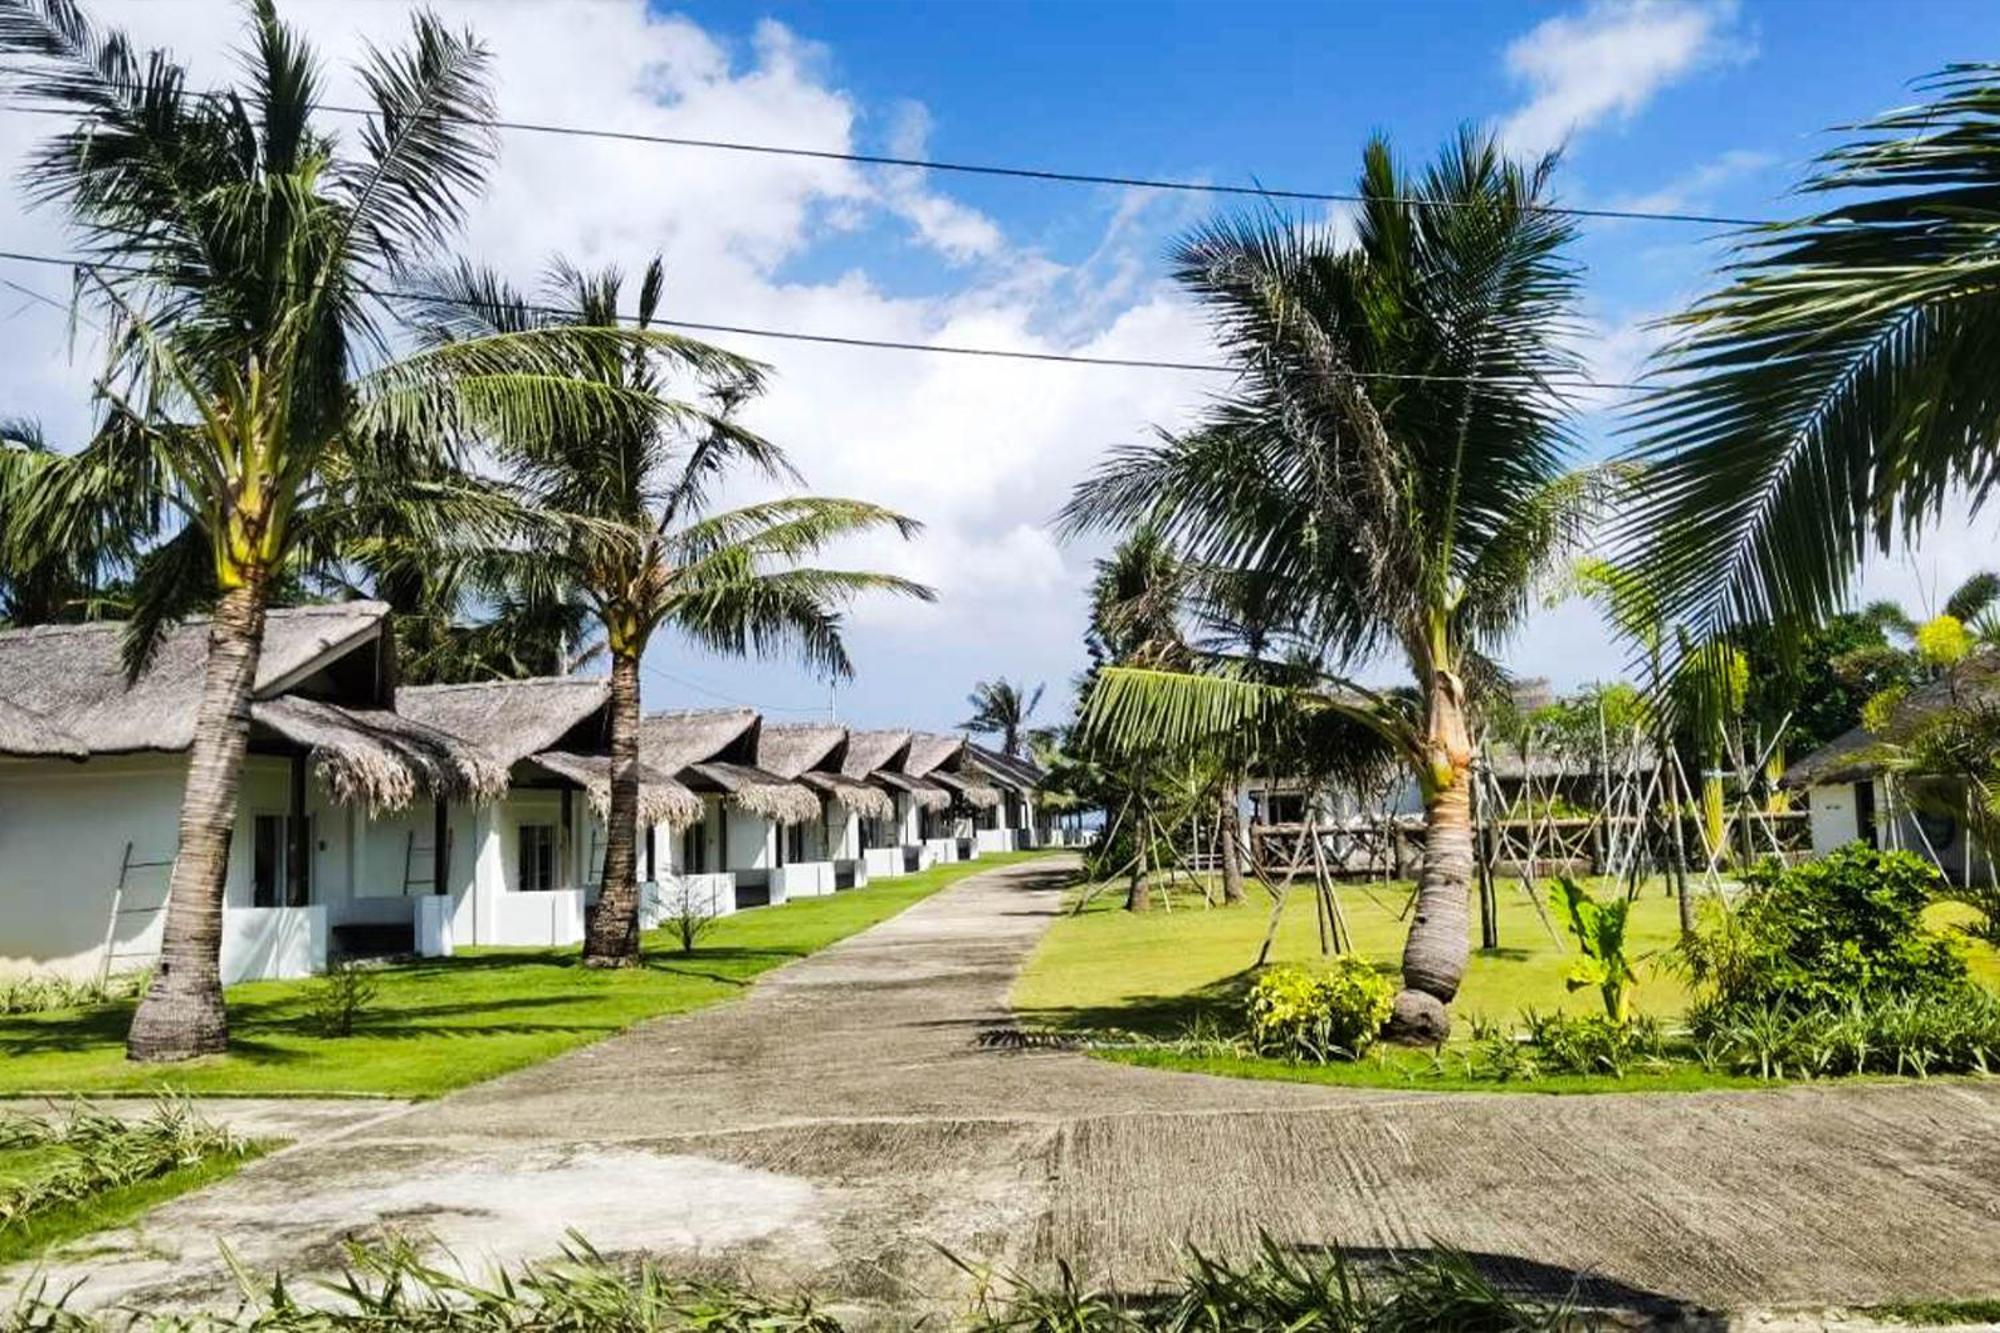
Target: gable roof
[793,748]
[871,751]
[513,719]
[670,742]
[73,677]
[930,751]
[1009,771]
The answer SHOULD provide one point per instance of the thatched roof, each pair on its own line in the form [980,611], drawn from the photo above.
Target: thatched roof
[756,791]
[511,718]
[24,731]
[662,800]
[1857,754]
[929,751]
[866,801]
[1006,769]
[871,751]
[967,787]
[672,741]
[1508,764]
[73,677]
[923,793]
[380,758]
[791,749]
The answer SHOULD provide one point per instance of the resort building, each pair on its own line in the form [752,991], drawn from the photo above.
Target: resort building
[749,827]
[93,762]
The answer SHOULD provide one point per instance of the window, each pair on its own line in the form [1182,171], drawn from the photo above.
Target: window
[271,864]
[793,839]
[694,849]
[536,870]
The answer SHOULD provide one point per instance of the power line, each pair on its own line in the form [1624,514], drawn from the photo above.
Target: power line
[1044,174]
[716,694]
[897,345]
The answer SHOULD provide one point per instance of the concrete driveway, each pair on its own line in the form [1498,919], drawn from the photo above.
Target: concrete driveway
[840,1120]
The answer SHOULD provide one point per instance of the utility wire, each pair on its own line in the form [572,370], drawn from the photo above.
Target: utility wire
[1045,174]
[714,694]
[891,344]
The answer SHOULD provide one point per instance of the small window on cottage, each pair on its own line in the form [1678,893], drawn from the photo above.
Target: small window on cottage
[795,844]
[694,850]
[536,870]
[271,863]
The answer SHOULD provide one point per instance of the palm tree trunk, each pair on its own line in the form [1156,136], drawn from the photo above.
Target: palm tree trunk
[612,939]
[182,1014]
[1439,944]
[1232,852]
[1139,895]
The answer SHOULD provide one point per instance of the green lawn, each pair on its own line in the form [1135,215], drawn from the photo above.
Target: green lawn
[42,1230]
[443,1024]
[1158,973]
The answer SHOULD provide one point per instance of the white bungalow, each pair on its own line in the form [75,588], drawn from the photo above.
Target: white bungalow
[93,762]
[812,755]
[943,762]
[1850,797]
[524,868]
[901,843]
[1014,824]
[750,827]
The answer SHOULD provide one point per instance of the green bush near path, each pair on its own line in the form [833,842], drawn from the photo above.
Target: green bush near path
[442,1024]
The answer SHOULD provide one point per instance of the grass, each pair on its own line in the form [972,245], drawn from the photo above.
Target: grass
[1159,974]
[36,1235]
[446,1023]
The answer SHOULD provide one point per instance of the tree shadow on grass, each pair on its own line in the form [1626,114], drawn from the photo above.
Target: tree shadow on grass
[1154,1015]
[1533,1280]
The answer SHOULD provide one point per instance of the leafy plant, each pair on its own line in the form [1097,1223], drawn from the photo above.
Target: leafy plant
[1334,1013]
[36,995]
[1844,929]
[1599,931]
[340,995]
[1595,1043]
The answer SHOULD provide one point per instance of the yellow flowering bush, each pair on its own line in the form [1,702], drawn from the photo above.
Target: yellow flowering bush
[1332,1013]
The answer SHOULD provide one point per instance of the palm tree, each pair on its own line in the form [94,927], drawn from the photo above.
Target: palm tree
[240,263]
[1396,455]
[1838,389]
[647,549]
[1002,707]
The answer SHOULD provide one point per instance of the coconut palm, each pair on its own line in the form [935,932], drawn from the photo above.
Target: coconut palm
[649,547]
[239,265]
[1002,708]
[1395,455]
[1838,390]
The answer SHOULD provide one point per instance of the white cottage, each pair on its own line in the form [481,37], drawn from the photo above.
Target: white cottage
[1851,797]
[751,822]
[93,762]
[943,762]
[1015,824]
[812,755]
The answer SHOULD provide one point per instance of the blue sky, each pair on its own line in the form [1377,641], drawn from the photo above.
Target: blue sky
[1699,105]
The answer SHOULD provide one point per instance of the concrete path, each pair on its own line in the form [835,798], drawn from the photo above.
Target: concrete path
[840,1120]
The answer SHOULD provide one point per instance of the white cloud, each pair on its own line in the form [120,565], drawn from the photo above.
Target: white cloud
[1693,189]
[983,451]
[1610,60]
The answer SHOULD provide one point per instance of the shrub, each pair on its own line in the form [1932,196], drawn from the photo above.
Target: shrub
[1956,1033]
[1330,1014]
[36,995]
[339,995]
[94,1152]
[1594,1043]
[1827,934]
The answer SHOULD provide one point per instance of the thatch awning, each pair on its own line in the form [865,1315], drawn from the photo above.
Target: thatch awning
[923,793]
[24,731]
[661,799]
[866,801]
[967,788]
[511,718]
[758,792]
[380,758]
[72,677]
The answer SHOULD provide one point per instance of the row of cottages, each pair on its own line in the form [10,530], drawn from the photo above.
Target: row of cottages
[374,819]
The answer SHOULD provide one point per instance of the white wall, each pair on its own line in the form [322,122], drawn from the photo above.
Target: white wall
[751,842]
[64,827]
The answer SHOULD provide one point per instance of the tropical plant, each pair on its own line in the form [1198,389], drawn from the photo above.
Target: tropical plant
[240,262]
[1599,931]
[1831,397]
[338,997]
[1002,708]
[648,548]
[1395,454]
[1331,1013]
[61,567]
